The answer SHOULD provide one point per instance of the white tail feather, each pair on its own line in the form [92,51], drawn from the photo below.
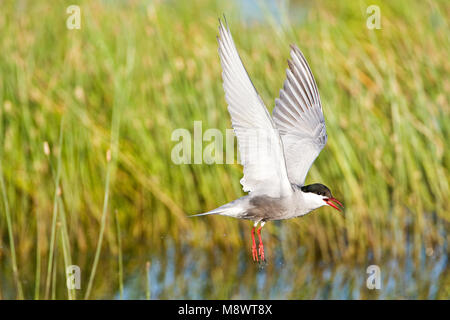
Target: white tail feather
[232,209]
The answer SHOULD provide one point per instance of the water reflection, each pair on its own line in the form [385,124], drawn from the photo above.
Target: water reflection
[195,274]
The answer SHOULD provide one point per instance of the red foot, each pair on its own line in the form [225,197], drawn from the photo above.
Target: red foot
[261,246]
[261,252]
[254,252]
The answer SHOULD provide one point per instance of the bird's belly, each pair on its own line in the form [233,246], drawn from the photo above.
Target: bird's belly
[267,208]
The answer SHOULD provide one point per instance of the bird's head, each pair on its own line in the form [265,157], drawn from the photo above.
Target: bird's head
[319,195]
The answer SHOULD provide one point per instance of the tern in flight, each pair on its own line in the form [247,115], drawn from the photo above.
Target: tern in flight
[276,151]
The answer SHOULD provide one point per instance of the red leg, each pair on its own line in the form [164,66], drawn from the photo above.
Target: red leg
[254,252]
[261,246]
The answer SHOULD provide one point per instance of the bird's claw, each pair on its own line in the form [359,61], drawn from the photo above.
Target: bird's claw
[257,254]
[261,252]
[254,254]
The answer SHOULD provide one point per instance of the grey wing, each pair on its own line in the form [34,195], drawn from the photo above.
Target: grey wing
[260,145]
[299,118]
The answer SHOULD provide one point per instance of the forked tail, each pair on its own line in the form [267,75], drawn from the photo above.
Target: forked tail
[204,214]
[232,209]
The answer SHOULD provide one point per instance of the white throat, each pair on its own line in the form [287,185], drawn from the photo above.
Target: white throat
[312,201]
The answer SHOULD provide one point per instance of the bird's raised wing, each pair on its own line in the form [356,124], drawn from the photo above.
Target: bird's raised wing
[299,118]
[260,146]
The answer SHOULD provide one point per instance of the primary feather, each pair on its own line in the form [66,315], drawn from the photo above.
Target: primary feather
[299,118]
[259,142]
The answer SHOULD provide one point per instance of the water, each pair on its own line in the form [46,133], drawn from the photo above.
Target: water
[195,271]
[191,273]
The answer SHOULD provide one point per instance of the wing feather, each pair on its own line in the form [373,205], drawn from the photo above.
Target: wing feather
[260,145]
[299,118]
